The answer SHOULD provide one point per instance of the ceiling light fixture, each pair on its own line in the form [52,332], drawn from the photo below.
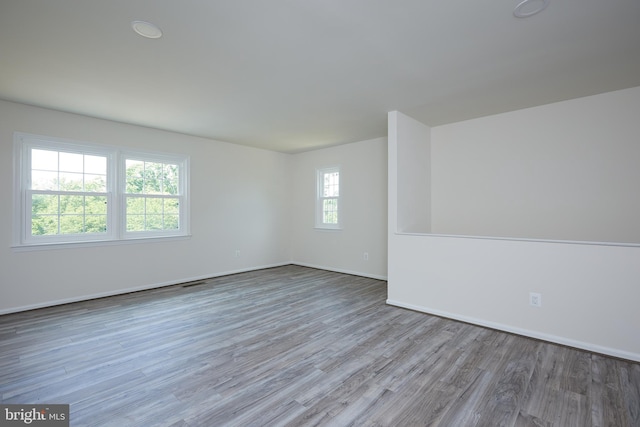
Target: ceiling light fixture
[527,8]
[146,29]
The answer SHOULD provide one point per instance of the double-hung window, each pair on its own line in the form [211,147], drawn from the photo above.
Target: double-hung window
[328,198]
[152,195]
[70,192]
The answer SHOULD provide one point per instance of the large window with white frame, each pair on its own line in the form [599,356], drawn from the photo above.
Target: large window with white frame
[328,198]
[70,192]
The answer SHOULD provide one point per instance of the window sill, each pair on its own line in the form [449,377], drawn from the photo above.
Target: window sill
[328,228]
[96,243]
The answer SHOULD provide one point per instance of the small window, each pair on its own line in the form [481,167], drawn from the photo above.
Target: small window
[71,192]
[152,194]
[328,198]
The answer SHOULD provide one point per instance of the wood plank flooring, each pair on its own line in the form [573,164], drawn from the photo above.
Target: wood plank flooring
[300,347]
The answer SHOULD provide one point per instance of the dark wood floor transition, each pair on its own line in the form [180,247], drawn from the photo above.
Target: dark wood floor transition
[297,346]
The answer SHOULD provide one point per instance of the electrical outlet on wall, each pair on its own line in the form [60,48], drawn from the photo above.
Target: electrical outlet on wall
[365,256]
[535,299]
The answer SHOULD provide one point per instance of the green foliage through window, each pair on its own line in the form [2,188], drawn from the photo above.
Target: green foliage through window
[328,198]
[152,202]
[72,191]
[61,200]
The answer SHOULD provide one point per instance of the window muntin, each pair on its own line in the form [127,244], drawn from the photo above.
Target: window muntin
[69,192]
[328,198]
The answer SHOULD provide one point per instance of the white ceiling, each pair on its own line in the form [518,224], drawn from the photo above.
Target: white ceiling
[293,75]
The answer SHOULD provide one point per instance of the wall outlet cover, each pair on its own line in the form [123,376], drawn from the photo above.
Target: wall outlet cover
[535,299]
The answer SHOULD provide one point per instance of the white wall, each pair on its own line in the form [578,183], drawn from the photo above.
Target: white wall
[412,149]
[564,171]
[363,193]
[239,200]
[589,292]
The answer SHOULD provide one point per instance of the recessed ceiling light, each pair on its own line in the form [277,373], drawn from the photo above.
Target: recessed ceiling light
[527,8]
[146,29]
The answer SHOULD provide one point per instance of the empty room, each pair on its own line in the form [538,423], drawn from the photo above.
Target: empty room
[331,213]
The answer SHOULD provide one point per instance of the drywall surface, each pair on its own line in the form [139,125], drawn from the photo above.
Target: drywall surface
[363,195]
[589,292]
[410,141]
[239,201]
[563,171]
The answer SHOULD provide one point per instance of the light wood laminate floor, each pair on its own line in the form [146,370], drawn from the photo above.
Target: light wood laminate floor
[301,347]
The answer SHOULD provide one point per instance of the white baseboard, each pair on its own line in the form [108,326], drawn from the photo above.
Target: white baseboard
[339,270]
[134,289]
[524,332]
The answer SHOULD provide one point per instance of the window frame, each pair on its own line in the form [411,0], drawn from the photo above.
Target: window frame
[115,186]
[319,223]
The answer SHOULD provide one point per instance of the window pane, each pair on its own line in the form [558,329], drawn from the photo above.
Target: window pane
[44,204]
[71,181]
[135,206]
[135,222]
[170,179]
[331,184]
[44,160]
[65,214]
[153,213]
[95,183]
[96,223]
[152,178]
[135,176]
[330,211]
[96,205]
[153,206]
[96,165]
[44,225]
[41,180]
[71,162]
[71,224]
[154,222]
[72,205]
[171,222]
[171,206]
